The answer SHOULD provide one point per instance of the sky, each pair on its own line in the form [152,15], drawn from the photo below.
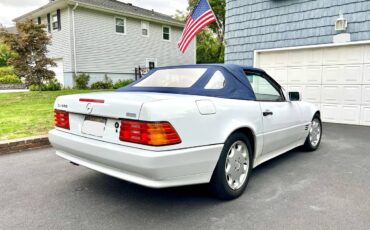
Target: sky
[10,9]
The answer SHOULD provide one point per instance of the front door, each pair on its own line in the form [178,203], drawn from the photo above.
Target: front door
[281,118]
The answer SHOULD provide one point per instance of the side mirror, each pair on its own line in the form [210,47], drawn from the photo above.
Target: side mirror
[294,96]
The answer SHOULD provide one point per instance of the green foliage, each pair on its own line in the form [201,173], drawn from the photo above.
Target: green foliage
[52,85]
[106,84]
[209,48]
[10,79]
[8,70]
[30,44]
[102,85]
[7,76]
[5,54]
[210,42]
[122,83]
[81,80]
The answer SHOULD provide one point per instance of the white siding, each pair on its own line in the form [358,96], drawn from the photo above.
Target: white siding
[101,50]
[61,47]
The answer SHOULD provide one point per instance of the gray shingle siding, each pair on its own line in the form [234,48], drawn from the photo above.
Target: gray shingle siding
[255,24]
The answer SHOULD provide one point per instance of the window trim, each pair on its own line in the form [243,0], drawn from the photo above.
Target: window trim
[270,80]
[124,25]
[142,23]
[170,33]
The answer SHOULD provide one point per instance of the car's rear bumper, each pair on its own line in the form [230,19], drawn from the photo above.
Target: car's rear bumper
[149,168]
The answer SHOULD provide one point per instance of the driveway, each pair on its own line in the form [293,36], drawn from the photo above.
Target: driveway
[326,189]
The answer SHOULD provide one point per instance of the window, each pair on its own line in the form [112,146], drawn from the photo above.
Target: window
[145,29]
[151,63]
[264,89]
[174,78]
[217,81]
[55,22]
[166,33]
[121,25]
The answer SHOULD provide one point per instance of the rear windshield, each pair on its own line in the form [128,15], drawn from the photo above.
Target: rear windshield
[173,78]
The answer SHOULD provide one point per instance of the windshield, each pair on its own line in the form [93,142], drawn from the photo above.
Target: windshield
[173,78]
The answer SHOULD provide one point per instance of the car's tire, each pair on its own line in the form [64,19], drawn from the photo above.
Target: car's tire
[313,139]
[235,162]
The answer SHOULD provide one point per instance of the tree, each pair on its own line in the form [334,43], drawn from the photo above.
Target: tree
[210,42]
[30,44]
[5,54]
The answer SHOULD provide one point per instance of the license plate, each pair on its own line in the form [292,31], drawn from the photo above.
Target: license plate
[94,126]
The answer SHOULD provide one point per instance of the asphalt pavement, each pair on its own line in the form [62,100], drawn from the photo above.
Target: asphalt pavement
[326,189]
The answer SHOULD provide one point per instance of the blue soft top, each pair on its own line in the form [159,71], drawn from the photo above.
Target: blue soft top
[237,85]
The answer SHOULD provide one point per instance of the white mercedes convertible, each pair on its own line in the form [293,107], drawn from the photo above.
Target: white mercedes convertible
[186,125]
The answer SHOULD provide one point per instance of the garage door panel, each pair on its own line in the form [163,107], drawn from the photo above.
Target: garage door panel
[351,94]
[353,55]
[350,114]
[295,75]
[312,93]
[365,115]
[330,112]
[297,58]
[366,94]
[367,54]
[314,57]
[352,74]
[280,75]
[366,74]
[312,74]
[331,94]
[332,56]
[331,75]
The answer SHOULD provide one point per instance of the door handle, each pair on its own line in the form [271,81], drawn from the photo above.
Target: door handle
[267,113]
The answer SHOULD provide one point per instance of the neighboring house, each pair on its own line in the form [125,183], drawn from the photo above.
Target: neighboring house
[101,37]
[318,47]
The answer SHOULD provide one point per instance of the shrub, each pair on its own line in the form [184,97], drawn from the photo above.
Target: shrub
[106,84]
[82,80]
[122,83]
[52,85]
[10,79]
[8,70]
[102,85]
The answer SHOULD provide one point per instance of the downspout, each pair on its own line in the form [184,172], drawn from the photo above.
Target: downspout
[74,38]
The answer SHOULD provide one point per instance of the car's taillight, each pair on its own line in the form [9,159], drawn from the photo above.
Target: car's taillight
[148,133]
[61,119]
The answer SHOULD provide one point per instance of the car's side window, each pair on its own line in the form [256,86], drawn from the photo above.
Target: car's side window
[217,81]
[264,89]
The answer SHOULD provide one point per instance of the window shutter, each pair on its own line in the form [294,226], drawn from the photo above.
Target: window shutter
[49,26]
[59,22]
[39,20]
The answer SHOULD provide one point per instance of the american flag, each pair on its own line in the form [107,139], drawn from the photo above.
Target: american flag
[201,16]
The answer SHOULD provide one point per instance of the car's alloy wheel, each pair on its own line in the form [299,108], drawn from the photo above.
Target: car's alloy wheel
[233,169]
[314,135]
[315,132]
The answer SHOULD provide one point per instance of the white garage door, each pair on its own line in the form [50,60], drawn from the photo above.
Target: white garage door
[58,70]
[336,79]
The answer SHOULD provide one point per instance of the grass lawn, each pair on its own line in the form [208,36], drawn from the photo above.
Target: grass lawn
[28,113]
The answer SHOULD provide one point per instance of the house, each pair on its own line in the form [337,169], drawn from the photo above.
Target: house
[108,37]
[320,48]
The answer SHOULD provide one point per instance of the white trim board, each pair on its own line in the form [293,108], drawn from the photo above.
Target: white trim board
[256,52]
